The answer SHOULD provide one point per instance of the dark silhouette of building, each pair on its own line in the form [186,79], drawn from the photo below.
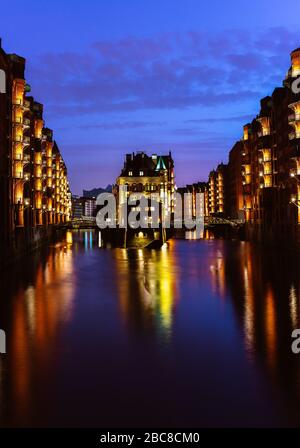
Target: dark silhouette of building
[96,191]
[234,206]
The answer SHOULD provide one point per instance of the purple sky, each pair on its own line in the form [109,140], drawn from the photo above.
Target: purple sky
[155,75]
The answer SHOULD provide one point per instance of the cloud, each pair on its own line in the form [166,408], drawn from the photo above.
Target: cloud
[160,87]
[120,125]
[171,71]
[241,118]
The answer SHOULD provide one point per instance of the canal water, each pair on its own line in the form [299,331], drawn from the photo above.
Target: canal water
[197,333]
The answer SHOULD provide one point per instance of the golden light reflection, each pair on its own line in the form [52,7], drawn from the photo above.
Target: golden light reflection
[249,306]
[217,272]
[270,326]
[259,307]
[37,314]
[147,286]
[293,302]
[69,237]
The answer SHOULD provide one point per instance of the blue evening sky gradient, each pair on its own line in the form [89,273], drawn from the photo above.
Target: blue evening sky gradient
[117,76]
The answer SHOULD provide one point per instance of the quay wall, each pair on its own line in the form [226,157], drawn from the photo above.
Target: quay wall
[26,240]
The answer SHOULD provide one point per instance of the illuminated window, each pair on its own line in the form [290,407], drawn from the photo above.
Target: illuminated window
[129,173]
[141,173]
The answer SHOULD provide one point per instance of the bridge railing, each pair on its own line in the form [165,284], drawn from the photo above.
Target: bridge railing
[214,220]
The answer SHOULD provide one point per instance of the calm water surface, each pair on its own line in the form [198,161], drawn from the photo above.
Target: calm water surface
[195,334]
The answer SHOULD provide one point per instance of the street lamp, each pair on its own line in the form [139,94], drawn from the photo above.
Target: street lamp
[295,201]
[293,175]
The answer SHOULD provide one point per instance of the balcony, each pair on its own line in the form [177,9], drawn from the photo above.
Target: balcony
[18,157]
[246,172]
[38,164]
[38,183]
[265,141]
[26,140]
[294,135]
[265,126]
[26,105]
[247,189]
[295,153]
[268,180]
[18,174]
[292,118]
[26,158]
[26,122]
[17,102]
[246,181]
[295,106]
[17,121]
[246,159]
[265,155]
[267,159]
[18,138]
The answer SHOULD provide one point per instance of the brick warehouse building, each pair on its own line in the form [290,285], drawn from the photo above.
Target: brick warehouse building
[234,204]
[271,163]
[153,176]
[34,189]
[261,182]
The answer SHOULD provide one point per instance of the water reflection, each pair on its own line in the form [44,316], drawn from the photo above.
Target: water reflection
[147,285]
[294,306]
[217,272]
[41,295]
[223,312]
[264,286]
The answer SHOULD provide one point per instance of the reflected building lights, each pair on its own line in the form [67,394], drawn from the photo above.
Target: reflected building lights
[39,308]
[217,270]
[152,290]
[248,308]
[146,286]
[29,296]
[270,326]
[293,303]
[69,237]
[88,239]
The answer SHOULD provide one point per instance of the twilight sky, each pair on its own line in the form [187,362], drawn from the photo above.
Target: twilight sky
[118,76]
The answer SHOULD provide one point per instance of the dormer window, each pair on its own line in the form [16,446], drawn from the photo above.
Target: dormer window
[141,173]
[129,173]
